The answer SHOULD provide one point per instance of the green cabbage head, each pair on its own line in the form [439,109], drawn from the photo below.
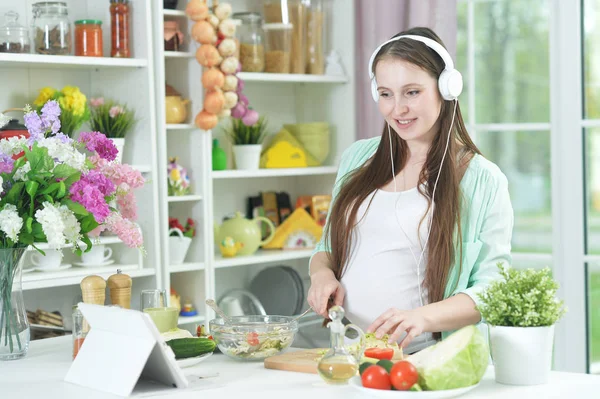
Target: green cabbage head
[458,361]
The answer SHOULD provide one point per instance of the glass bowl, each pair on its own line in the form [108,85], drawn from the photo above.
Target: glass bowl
[253,338]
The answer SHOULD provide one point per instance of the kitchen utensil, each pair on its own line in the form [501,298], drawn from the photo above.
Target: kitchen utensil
[155,298]
[278,290]
[175,109]
[239,302]
[302,361]
[218,310]
[165,319]
[120,289]
[303,314]
[245,231]
[93,290]
[253,338]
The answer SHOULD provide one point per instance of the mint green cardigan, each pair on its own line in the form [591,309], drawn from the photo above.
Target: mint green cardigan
[486,219]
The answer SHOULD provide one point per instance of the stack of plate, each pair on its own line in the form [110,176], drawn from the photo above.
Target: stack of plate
[280,290]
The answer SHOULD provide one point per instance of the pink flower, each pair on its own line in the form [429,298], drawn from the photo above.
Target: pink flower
[127,205]
[114,111]
[91,198]
[96,102]
[126,230]
[238,111]
[99,143]
[123,174]
[250,118]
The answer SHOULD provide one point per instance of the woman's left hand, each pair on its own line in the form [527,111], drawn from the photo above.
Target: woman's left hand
[395,322]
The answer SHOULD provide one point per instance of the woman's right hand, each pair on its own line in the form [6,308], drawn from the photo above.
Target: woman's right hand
[324,285]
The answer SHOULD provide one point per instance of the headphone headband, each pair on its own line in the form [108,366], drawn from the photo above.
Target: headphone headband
[450,80]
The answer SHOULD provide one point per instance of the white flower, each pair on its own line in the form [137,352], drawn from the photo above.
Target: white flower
[10,222]
[1,185]
[22,171]
[59,224]
[3,119]
[63,152]
[12,145]
[72,226]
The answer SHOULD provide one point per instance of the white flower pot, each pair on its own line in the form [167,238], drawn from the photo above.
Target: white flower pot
[178,247]
[120,144]
[522,355]
[247,157]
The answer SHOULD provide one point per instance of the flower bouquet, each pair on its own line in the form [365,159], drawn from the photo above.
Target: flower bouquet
[179,181]
[111,118]
[58,192]
[73,108]
[189,230]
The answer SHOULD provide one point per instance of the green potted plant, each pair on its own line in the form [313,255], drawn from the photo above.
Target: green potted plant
[247,135]
[112,119]
[521,310]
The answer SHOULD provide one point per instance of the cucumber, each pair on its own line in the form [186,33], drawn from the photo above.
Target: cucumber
[191,347]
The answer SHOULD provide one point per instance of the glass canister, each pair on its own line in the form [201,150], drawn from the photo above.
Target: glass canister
[251,36]
[51,28]
[88,38]
[79,330]
[293,12]
[316,36]
[278,40]
[119,28]
[14,38]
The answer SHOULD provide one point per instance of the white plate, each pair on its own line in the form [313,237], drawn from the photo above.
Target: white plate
[82,264]
[450,393]
[191,361]
[54,269]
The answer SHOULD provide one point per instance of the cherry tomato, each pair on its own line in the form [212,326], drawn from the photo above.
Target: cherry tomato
[252,339]
[403,375]
[376,377]
[380,353]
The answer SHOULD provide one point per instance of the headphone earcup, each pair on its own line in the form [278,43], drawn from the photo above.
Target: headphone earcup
[450,84]
[374,92]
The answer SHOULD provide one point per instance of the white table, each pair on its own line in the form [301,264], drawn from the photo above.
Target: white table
[40,375]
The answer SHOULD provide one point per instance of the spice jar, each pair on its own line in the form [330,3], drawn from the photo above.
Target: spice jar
[119,28]
[52,29]
[252,51]
[291,12]
[14,38]
[88,38]
[79,333]
[278,40]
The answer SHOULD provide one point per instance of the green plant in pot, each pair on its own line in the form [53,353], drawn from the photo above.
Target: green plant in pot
[521,310]
[246,134]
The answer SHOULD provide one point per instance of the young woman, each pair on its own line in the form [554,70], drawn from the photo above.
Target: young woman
[420,218]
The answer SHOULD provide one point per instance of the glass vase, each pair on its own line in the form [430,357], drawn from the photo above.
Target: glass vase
[14,327]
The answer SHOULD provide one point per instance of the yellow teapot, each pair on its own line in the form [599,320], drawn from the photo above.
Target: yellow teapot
[245,232]
[176,109]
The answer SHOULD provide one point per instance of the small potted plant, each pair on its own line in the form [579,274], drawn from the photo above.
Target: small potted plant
[521,310]
[180,238]
[74,110]
[246,133]
[113,119]
[178,180]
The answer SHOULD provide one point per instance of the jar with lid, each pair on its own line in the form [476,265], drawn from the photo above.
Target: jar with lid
[51,28]
[14,38]
[88,38]
[252,50]
[119,28]
[318,29]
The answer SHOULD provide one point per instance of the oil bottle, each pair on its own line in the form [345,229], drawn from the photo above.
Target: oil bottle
[339,364]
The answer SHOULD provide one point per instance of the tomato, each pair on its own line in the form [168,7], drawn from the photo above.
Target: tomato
[380,353]
[376,377]
[403,375]
[252,339]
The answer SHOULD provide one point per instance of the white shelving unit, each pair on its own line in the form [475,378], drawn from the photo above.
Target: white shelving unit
[128,80]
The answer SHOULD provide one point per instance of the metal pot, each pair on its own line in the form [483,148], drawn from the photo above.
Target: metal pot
[14,129]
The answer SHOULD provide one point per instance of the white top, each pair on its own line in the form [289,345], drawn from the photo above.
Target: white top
[40,375]
[382,269]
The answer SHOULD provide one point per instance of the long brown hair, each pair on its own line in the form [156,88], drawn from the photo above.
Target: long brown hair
[358,184]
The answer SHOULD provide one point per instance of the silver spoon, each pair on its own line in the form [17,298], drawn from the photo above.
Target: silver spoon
[303,314]
[218,310]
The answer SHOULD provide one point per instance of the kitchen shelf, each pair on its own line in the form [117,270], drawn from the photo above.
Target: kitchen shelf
[103,240]
[290,77]
[174,13]
[310,171]
[179,54]
[183,320]
[186,267]
[142,168]
[263,256]
[184,198]
[67,61]
[181,126]
[74,275]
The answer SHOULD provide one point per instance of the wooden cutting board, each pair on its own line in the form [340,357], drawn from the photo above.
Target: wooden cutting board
[302,361]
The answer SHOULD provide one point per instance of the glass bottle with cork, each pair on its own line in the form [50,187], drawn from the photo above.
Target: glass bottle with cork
[119,28]
[340,364]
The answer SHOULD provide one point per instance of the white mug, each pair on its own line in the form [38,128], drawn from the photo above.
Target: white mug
[51,260]
[98,255]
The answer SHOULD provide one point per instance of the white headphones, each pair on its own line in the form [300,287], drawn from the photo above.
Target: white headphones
[450,82]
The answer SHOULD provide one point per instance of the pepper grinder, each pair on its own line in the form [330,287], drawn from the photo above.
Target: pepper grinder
[120,289]
[93,290]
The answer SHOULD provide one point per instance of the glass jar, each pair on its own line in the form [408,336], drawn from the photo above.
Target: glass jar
[88,38]
[80,330]
[119,28]
[51,28]
[318,24]
[278,40]
[252,50]
[14,38]
[291,12]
